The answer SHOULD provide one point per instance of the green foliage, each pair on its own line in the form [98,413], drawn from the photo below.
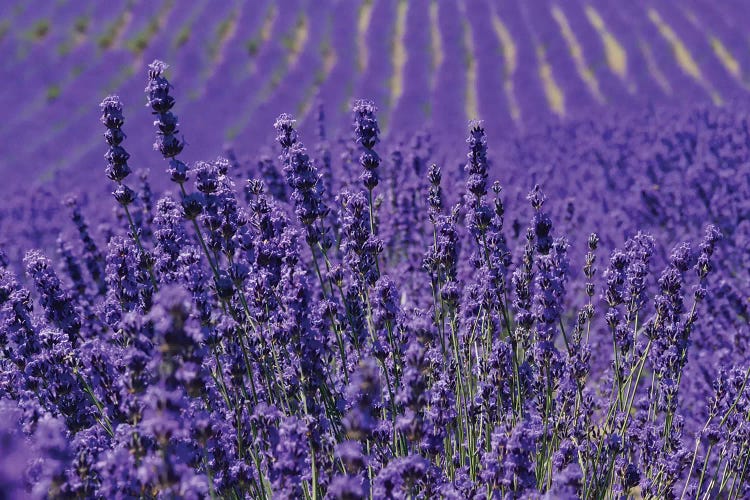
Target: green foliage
[253,46]
[53,92]
[4,28]
[222,32]
[81,25]
[183,36]
[140,42]
[39,30]
[107,39]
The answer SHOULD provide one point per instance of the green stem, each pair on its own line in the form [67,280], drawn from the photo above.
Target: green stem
[703,470]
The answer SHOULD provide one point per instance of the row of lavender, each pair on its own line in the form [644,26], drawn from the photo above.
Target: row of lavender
[369,325]
[432,64]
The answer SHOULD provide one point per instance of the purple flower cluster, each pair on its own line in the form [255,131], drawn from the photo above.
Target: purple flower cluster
[307,335]
[117,158]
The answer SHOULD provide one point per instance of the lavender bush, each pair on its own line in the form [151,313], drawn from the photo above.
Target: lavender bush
[376,325]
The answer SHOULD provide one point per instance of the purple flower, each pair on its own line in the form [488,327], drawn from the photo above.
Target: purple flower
[435,195]
[18,333]
[366,133]
[351,456]
[440,415]
[160,102]
[170,238]
[360,247]
[550,284]
[117,158]
[703,266]
[287,135]
[15,451]
[476,167]
[406,477]
[517,462]
[57,302]
[363,394]
[302,176]
[366,128]
[125,280]
[48,474]
[346,488]
[413,395]
[72,266]
[92,257]
[272,178]
[124,195]
[170,315]
[291,463]
[639,250]
[541,221]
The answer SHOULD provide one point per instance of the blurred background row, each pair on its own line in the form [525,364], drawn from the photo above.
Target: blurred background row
[427,64]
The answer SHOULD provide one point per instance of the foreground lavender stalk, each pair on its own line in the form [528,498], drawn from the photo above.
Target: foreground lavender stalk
[118,169]
[170,146]
[366,133]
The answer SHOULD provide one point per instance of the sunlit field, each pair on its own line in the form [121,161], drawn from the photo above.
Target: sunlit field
[384,249]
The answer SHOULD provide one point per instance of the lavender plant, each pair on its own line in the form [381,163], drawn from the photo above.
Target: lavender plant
[283,341]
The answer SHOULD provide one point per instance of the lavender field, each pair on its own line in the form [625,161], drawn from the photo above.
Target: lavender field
[351,250]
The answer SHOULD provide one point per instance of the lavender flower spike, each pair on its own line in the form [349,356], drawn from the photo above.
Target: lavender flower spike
[366,133]
[117,158]
[161,103]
